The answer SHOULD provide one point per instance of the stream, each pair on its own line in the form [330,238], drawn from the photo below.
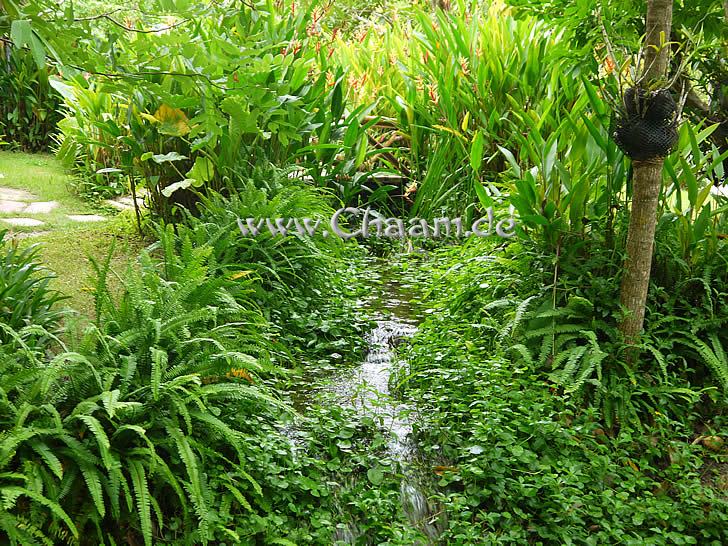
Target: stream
[366,389]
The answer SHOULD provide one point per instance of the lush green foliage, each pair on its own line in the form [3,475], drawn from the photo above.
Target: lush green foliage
[25,296]
[29,110]
[503,382]
[168,417]
[200,125]
[158,423]
[128,422]
[300,289]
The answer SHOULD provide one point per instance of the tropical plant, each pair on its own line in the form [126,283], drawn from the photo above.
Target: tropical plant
[271,229]
[130,432]
[198,126]
[452,84]
[529,406]
[29,110]
[26,297]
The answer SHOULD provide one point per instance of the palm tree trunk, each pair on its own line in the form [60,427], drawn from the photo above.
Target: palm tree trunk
[647,182]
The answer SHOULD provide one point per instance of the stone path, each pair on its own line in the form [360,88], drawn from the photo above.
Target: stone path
[26,234]
[86,217]
[24,222]
[124,203]
[24,206]
[11,194]
[40,207]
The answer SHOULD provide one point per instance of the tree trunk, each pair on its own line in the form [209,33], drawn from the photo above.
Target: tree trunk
[647,182]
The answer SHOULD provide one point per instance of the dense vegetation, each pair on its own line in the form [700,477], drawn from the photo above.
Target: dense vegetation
[173,413]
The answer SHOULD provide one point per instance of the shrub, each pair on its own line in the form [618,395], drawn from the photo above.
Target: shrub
[302,290]
[29,111]
[26,298]
[541,429]
[140,431]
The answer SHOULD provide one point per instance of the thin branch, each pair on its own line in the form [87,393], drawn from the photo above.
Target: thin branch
[108,17]
[142,74]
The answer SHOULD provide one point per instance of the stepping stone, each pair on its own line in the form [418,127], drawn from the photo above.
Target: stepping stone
[40,207]
[86,217]
[124,203]
[24,222]
[11,194]
[12,206]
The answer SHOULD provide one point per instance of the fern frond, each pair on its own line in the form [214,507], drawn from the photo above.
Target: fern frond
[143,499]
[92,477]
[713,357]
[15,491]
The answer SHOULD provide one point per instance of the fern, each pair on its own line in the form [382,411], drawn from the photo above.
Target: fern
[519,315]
[140,406]
[713,356]
[143,500]
[92,478]
[45,452]
[13,492]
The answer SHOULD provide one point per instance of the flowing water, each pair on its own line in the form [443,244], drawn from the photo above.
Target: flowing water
[366,388]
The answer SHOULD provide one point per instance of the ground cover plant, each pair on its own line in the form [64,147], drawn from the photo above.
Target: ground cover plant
[167,377]
[527,402]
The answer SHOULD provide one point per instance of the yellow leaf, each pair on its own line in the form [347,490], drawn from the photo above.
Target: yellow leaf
[149,117]
[466,121]
[173,121]
[452,131]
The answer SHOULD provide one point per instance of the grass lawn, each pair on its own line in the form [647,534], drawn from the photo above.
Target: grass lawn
[65,245]
[67,254]
[42,176]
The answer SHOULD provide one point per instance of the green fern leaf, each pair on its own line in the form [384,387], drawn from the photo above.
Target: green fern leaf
[143,501]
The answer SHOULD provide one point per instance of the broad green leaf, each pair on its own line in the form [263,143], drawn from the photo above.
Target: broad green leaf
[476,151]
[690,181]
[701,224]
[202,171]
[166,158]
[512,161]
[362,152]
[485,199]
[595,133]
[337,102]
[242,121]
[181,185]
[37,50]
[20,33]
[375,475]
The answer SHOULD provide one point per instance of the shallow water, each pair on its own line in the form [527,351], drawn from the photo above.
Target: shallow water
[366,388]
